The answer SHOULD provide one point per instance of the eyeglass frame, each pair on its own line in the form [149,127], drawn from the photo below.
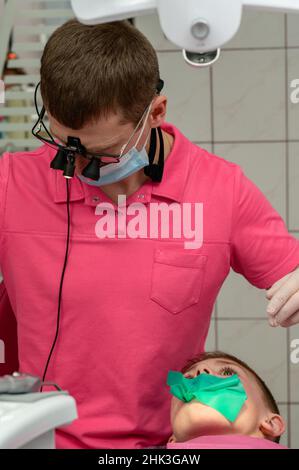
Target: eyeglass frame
[82,150]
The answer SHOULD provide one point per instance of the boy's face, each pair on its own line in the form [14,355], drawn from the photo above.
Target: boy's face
[193,419]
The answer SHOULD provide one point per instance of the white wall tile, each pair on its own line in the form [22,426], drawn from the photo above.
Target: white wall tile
[293,29]
[264,164]
[211,340]
[259,29]
[239,299]
[294,185]
[205,145]
[295,426]
[263,347]
[188,93]
[249,96]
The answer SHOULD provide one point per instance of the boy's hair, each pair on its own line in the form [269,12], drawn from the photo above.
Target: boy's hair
[90,71]
[267,395]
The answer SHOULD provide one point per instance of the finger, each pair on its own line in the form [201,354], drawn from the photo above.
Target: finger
[293,320]
[289,309]
[283,294]
[272,321]
[273,289]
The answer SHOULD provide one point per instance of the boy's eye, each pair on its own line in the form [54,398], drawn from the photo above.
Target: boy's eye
[227,371]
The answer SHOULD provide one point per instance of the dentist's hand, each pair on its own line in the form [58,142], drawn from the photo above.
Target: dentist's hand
[283,308]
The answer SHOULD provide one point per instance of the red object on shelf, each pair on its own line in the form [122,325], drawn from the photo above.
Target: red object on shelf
[11,55]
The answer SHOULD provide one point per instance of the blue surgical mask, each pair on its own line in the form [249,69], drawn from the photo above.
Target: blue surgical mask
[131,162]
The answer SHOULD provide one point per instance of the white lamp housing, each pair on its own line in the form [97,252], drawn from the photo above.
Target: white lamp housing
[199,27]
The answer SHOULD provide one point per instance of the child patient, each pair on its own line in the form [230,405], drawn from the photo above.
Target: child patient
[220,402]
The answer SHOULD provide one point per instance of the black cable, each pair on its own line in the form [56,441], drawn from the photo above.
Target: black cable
[40,115]
[61,282]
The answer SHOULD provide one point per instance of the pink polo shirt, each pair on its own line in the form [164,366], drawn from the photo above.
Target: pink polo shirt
[132,308]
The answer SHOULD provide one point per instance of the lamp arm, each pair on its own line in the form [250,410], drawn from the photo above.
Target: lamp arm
[104,11]
[287,6]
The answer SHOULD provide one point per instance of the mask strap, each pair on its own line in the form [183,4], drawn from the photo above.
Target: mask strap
[144,124]
[153,146]
[141,131]
[155,170]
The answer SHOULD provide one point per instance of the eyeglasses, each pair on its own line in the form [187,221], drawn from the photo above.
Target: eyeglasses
[75,146]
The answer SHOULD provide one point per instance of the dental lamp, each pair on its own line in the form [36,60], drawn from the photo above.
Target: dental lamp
[199,27]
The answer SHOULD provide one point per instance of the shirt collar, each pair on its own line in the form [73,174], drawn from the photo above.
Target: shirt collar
[172,185]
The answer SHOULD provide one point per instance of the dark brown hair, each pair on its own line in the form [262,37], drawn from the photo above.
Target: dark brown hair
[267,395]
[91,71]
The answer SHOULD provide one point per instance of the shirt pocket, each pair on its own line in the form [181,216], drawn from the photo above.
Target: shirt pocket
[177,278]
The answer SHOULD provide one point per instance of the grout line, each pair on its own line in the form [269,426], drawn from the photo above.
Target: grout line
[212,124]
[287,198]
[212,149]
[288,403]
[287,220]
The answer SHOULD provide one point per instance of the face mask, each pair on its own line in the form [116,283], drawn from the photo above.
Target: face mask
[226,395]
[129,163]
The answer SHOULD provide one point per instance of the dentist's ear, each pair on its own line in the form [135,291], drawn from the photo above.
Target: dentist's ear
[158,112]
[273,426]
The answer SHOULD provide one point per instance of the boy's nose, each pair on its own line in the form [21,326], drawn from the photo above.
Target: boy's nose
[203,370]
[195,373]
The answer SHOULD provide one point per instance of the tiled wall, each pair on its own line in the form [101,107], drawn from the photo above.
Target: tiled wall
[240,109]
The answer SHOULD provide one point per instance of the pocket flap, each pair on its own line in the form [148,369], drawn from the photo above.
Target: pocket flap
[180,257]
